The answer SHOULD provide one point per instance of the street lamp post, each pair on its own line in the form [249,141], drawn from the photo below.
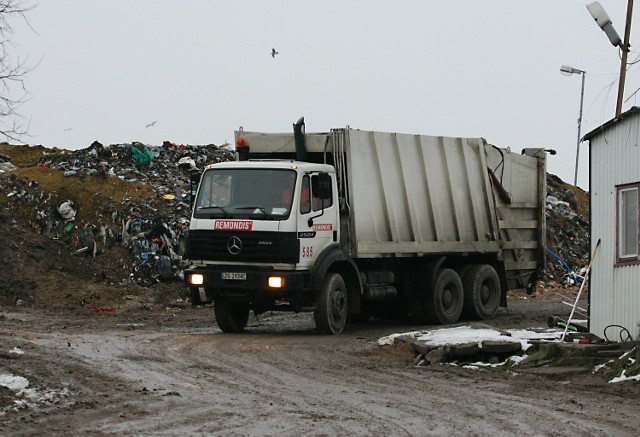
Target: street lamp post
[569,71]
[604,22]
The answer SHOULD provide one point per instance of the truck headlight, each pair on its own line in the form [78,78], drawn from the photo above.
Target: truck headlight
[276,282]
[196,279]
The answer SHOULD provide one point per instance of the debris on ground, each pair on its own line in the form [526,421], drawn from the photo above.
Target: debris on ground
[469,343]
[478,345]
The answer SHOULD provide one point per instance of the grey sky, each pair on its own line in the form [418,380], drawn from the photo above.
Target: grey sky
[202,68]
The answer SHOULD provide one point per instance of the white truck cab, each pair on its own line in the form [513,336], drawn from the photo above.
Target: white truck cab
[260,226]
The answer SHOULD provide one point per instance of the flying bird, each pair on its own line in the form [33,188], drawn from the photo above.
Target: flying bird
[67,129]
[273,53]
[152,124]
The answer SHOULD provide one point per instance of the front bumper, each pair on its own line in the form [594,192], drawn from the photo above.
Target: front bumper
[254,289]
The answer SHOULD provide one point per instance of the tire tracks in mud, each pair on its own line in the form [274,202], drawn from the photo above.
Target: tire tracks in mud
[282,378]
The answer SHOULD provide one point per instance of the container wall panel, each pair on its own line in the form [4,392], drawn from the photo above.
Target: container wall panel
[615,291]
[412,189]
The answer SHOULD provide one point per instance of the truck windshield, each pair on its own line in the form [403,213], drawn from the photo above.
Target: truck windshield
[260,194]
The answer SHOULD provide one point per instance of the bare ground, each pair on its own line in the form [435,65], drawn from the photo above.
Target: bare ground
[170,371]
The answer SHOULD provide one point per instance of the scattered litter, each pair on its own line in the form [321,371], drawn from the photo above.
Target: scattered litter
[575,325]
[106,310]
[66,210]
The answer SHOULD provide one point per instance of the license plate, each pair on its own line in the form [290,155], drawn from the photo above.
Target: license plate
[234,276]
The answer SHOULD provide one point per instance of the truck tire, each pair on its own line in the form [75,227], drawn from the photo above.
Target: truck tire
[331,313]
[413,298]
[231,317]
[363,316]
[444,303]
[194,296]
[481,292]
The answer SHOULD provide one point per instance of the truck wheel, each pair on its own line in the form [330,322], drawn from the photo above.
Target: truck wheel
[444,304]
[362,317]
[481,292]
[194,296]
[331,314]
[414,299]
[231,317]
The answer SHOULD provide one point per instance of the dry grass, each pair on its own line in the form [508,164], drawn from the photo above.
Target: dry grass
[96,197]
[27,156]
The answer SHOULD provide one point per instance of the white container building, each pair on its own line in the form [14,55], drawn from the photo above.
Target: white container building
[614,297]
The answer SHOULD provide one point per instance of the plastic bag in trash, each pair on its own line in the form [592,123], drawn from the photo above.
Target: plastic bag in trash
[66,210]
[164,267]
[140,247]
[142,155]
[187,162]
[7,167]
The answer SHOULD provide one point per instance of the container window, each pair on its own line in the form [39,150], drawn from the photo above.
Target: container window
[627,225]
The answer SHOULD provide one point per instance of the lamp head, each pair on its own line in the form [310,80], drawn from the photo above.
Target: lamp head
[568,71]
[602,19]
[599,14]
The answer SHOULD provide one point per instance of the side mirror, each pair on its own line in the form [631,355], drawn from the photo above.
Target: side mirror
[321,186]
[194,179]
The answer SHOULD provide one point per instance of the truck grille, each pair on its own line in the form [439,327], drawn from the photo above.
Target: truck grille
[271,247]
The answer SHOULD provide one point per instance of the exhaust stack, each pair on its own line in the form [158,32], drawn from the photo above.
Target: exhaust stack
[298,136]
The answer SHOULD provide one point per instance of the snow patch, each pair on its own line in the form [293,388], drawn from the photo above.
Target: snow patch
[13,382]
[26,396]
[623,377]
[467,334]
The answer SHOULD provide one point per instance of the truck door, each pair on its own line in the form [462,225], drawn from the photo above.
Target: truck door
[317,221]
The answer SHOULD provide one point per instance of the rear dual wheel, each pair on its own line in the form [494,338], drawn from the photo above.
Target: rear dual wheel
[445,302]
[482,292]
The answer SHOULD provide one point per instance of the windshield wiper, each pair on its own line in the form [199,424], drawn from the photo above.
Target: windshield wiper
[225,213]
[262,209]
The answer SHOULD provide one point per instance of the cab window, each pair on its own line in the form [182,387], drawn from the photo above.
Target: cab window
[317,203]
[305,195]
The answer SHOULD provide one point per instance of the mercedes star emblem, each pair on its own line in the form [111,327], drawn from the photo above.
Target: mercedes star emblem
[234,245]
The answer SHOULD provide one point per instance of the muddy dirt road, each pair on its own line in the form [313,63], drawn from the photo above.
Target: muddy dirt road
[174,373]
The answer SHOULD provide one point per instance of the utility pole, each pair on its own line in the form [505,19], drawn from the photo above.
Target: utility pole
[623,62]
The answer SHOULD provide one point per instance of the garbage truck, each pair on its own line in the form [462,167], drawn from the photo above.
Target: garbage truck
[352,224]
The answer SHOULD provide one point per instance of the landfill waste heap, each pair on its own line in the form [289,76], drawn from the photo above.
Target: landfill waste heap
[568,233]
[82,226]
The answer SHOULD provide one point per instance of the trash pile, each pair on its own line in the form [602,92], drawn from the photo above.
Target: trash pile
[568,234]
[5,164]
[131,195]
